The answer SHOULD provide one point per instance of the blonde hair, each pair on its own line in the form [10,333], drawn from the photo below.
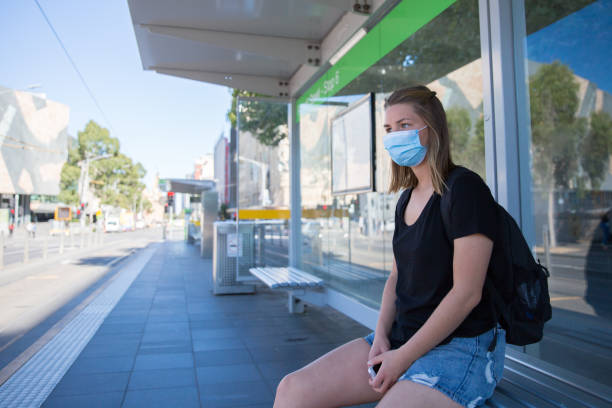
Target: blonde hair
[429,108]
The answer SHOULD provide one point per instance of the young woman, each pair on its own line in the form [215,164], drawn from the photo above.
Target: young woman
[436,339]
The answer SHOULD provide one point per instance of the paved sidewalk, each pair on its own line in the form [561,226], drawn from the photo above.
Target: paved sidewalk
[170,342]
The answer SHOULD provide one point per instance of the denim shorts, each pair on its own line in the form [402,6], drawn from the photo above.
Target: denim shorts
[463,369]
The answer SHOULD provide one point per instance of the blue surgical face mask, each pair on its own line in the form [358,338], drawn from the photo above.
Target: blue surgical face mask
[405,148]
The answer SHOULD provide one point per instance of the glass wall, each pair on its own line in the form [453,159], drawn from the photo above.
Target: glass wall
[347,237]
[263,182]
[570,92]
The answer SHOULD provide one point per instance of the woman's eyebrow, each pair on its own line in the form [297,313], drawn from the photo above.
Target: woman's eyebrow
[402,119]
[397,121]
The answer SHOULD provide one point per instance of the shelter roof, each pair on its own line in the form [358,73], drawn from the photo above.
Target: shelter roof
[272,47]
[190,186]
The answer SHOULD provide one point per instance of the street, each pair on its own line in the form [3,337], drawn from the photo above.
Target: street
[36,297]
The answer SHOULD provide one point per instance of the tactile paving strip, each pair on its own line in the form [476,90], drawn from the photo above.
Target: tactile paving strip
[33,382]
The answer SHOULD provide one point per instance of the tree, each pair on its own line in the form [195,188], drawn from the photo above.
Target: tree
[556,132]
[476,149]
[263,119]
[115,179]
[467,148]
[459,128]
[69,179]
[597,147]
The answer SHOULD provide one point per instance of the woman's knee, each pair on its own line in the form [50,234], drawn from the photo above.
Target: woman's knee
[289,385]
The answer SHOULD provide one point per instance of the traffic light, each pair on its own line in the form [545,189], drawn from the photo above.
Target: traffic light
[170,197]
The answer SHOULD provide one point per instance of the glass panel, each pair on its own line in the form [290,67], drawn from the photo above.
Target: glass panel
[570,91]
[263,184]
[347,238]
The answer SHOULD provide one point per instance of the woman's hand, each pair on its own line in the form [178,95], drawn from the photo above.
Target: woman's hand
[392,367]
[379,345]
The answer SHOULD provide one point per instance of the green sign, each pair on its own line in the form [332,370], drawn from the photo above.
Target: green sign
[163,184]
[403,21]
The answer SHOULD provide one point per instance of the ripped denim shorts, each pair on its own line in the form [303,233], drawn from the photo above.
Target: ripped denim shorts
[463,369]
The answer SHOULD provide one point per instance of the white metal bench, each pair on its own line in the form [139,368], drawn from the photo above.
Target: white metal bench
[295,282]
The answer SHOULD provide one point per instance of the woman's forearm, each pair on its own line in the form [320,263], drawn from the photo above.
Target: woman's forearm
[449,314]
[387,307]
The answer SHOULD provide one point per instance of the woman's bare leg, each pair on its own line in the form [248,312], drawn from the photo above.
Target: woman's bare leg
[339,378]
[408,394]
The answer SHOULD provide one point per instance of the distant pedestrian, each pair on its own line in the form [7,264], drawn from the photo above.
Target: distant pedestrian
[31,229]
[11,229]
[604,224]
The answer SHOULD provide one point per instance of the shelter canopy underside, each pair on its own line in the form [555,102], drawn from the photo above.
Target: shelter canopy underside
[271,47]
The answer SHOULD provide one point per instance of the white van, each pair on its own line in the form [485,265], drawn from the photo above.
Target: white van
[111,224]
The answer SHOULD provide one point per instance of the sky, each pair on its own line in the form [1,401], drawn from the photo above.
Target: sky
[583,50]
[163,122]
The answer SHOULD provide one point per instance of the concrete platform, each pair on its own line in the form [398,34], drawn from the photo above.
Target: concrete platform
[169,342]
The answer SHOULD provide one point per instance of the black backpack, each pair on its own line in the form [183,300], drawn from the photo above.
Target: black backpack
[516,284]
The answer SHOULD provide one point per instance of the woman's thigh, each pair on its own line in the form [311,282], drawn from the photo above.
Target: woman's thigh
[336,379]
[408,394]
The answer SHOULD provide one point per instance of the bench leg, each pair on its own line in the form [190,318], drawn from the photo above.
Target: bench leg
[295,304]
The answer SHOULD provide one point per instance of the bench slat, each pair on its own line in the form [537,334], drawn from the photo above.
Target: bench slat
[295,280]
[312,280]
[262,276]
[271,279]
[285,277]
[275,278]
[297,277]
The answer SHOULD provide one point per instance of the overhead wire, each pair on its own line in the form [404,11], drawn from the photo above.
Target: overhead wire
[76,69]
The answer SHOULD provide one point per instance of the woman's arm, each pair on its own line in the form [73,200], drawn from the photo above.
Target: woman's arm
[386,315]
[470,262]
[387,307]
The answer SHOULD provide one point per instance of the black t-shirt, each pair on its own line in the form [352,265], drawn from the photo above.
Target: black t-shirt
[424,256]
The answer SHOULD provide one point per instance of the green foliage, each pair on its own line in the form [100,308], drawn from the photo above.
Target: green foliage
[96,141]
[556,131]
[467,149]
[563,143]
[459,127]
[223,214]
[597,147]
[69,180]
[265,120]
[116,180]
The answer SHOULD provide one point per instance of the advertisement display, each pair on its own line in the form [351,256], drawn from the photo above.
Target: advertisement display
[352,136]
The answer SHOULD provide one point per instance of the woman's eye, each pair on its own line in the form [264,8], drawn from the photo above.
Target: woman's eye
[404,125]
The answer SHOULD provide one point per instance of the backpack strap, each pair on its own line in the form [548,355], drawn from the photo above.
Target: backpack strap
[445,201]
[445,209]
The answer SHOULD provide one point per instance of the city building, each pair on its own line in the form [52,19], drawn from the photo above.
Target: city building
[33,150]
[529,104]
[204,167]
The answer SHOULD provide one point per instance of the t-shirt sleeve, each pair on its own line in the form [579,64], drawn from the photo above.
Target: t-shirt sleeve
[473,209]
